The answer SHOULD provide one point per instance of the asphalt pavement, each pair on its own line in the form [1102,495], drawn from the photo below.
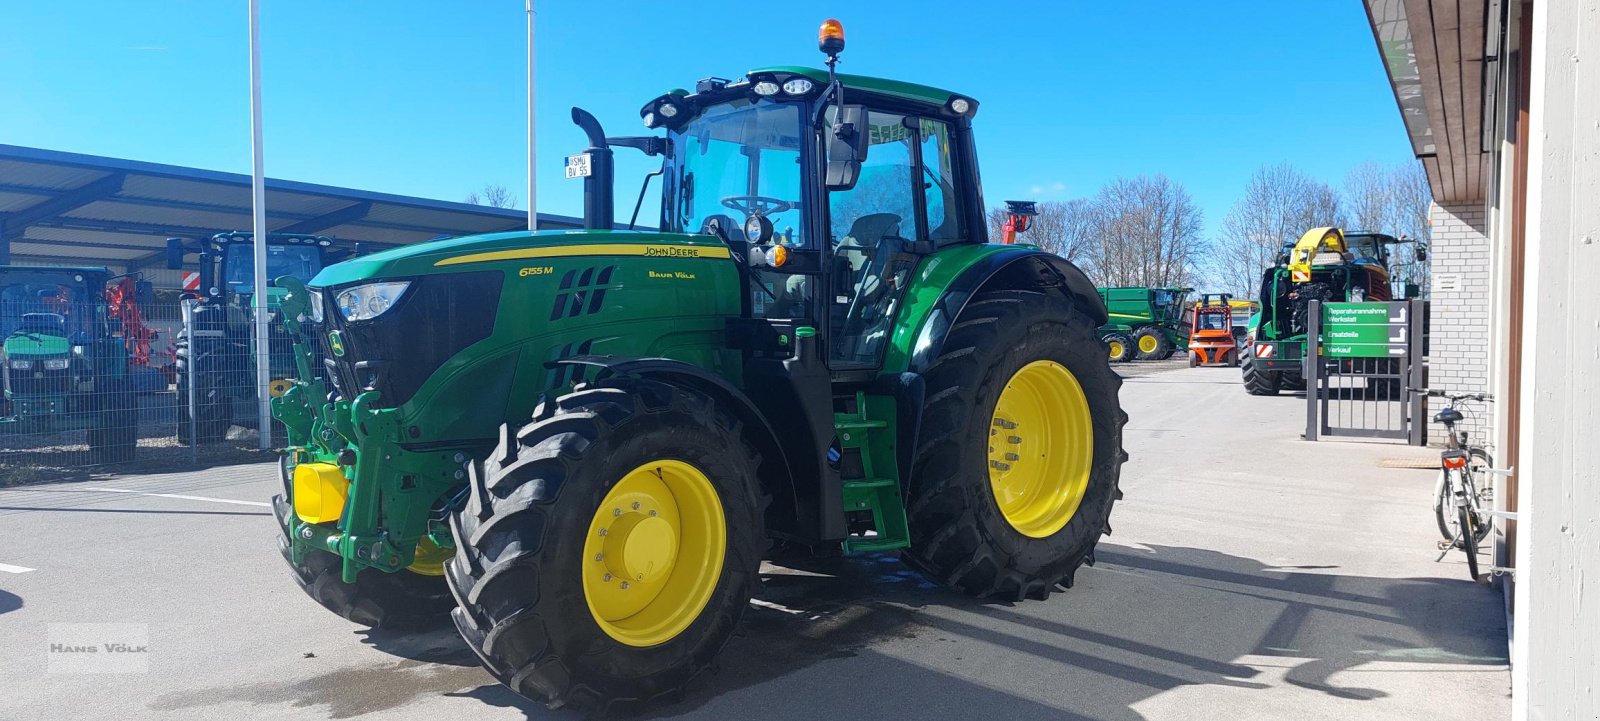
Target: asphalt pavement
[1251,575]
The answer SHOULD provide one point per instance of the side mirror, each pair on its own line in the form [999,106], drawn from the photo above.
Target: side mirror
[847,148]
[1422,253]
[1413,291]
[144,292]
[174,254]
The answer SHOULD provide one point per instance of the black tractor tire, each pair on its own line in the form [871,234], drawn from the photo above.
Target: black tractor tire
[1257,382]
[213,408]
[520,543]
[959,536]
[1292,382]
[1114,342]
[400,601]
[1170,353]
[1194,359]
[114,433]
[1162,345]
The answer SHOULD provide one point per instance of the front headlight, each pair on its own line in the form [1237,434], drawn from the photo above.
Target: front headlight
[365,302]
[21,365]
[56,364]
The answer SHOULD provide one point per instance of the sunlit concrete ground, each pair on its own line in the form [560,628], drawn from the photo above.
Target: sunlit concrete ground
[1251,575]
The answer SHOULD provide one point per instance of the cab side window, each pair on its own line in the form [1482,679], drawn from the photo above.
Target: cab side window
[939,183]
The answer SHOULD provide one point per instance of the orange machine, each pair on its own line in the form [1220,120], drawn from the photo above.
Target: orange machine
[1211,341]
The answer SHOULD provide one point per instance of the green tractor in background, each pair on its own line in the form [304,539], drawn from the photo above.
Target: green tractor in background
[1327,265]
[65,363]
[583,443]
[1145,323]
[219,340]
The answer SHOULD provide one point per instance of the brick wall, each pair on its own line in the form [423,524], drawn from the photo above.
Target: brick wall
[1458,343]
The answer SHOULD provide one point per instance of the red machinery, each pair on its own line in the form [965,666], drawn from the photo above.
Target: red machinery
[1211,341]
[1019,215]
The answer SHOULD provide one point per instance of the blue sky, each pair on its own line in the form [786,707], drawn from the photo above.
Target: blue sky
[427,98]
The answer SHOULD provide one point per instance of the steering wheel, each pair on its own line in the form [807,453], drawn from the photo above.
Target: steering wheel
[756,204]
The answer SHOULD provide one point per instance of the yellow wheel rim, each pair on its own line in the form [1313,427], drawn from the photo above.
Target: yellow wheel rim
[429,559]
[1148,343]
[1041,445]
[654,553]
[1116,349]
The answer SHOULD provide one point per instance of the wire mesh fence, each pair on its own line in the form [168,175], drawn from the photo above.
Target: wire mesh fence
[91,387]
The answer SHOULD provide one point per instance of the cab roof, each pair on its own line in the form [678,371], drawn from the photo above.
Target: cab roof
[896,88]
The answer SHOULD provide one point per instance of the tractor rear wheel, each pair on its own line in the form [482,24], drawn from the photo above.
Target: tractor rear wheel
[607,550]
[1152,344]
[1020,451]
[1257,382]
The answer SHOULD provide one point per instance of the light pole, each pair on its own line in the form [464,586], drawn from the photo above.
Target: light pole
[258,238]
[533,186]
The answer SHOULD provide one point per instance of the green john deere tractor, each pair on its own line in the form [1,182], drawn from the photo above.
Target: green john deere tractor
[584,441]
[64,367]
[1145,323]
[219,339]
[1327,265]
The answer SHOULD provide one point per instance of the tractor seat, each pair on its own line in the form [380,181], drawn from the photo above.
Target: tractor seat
[1448,415]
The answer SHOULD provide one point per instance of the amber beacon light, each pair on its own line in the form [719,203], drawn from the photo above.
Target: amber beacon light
[830,37]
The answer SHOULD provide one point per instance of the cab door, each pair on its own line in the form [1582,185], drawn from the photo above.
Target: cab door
[903,205]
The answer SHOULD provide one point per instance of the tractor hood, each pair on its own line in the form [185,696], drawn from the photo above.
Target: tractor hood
[480,252]
[36,346]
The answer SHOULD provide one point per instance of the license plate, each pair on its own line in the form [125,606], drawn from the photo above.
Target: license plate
[578,166]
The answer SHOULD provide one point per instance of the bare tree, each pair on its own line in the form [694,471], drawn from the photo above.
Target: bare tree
[493,195]
[1061,227]
[1145,231]
[1393,200]
[1280,203]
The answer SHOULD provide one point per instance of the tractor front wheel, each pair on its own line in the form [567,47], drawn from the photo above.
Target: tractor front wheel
[607,550]
[1119,348]
[406,600]
[1257,382]
[1017,465]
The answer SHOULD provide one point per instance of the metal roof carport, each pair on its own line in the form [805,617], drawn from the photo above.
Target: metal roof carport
[68,208]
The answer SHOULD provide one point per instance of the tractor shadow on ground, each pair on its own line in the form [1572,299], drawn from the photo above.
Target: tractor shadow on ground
[860,637]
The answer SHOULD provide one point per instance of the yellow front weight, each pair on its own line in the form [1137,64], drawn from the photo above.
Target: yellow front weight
[319,492]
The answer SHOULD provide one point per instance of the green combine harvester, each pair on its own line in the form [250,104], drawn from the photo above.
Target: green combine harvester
[1145,323]
[65,366]
[581,444]
[1327,265]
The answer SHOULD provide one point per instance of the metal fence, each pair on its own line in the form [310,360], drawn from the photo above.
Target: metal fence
[84,389]
[1361,369]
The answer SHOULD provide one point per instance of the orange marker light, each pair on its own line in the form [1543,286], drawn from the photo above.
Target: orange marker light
[777,256]
[830,38]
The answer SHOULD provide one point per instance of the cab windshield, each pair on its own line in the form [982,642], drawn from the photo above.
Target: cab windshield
[738,159]
[44,305]
[300,261]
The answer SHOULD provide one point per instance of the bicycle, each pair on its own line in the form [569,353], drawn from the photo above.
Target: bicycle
[1462,497]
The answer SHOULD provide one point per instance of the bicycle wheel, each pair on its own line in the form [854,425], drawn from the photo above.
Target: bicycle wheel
[1443,508]
[1469,540]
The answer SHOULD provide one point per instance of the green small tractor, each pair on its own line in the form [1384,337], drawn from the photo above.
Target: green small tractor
[219,339]
[581,444]
[1327,265]
[1145,323]
[66,366]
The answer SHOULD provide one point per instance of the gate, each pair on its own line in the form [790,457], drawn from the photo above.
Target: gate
[1362,362]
